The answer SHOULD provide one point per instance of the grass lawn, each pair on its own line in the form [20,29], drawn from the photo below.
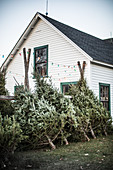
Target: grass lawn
[94,155]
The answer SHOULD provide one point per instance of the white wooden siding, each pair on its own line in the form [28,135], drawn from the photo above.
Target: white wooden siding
[101,74]
[60,52]
[15,70]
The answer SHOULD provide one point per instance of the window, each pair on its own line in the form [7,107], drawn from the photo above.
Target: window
[16,88]
[105,95]
[41,60]
[66,86]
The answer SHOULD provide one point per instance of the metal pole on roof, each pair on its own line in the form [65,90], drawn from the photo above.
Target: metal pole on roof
[111,37]
[46,7]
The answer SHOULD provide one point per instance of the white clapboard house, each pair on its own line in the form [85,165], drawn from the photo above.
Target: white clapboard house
[55,50]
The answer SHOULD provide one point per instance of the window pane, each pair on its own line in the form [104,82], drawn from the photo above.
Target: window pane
[66,87]
[41,61]
[17,88]
[104,96]
[42,69]
[41,55]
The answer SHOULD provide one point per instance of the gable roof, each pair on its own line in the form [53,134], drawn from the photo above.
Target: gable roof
[96,48]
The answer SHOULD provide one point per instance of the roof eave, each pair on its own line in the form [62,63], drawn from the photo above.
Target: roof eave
[66,38]
[26,34]
[102,63]
[21,40]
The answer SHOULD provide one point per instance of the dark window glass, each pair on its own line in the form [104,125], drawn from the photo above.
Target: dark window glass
[104,96]
[66,87]
[41,61]
[18,88]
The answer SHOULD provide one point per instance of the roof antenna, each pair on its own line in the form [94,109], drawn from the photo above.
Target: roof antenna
[46,7]
[111,37]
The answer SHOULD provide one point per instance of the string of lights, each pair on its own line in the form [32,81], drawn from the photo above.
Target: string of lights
[64,73]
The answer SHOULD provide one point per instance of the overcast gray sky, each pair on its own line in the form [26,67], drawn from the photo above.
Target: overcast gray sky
[92,16]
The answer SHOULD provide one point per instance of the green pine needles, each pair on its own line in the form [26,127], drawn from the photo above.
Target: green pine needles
[2,84]
[5,105]
[10,131]
[93,117]
[46,117]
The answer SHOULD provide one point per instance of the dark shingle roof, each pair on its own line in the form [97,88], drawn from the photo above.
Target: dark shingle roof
[96,48]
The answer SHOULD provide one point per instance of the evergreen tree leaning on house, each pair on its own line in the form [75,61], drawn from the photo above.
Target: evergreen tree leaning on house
[93,119]
[5,105]
[10,131]
[45,115]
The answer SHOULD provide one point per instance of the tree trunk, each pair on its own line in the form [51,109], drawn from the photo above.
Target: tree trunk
[105,131]
[64,138]
[26,65]
[2,97]
[50,142]
[66,141]
[85,135]
[82,70]
[92,132]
